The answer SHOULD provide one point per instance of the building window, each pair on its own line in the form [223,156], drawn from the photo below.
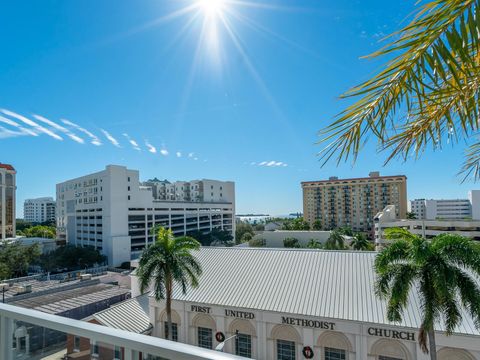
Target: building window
[95,349]
[205,337]
[285,350]
[129,179]
[117,353]
[76,343]
[334,354]
[381,357]
[243,345]
[128,197]
[174,331]
[129,188]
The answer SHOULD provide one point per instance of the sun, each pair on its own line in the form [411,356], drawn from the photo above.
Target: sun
[212,8]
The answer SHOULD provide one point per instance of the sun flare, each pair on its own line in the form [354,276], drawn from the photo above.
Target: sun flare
[212,8]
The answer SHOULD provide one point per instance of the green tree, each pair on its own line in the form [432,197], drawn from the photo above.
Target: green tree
[16,258]
[40,231]
[241,229]
[411,215]
[317,225]
[71,257]
[314,244]
[296,224]
[169,260]
[291,243]
[360,242]
[445,271]
[426,95]
[336,241]
[216,237]
[246,237]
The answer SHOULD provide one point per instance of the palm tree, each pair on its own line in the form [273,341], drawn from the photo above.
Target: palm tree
[167,261]
[360,242]
[426,95]
[336,241]
[445,271]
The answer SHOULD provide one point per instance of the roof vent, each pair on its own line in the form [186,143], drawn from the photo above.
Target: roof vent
[374,174]
[331,178]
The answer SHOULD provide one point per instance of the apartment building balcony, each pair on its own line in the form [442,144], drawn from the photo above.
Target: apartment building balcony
[65,338]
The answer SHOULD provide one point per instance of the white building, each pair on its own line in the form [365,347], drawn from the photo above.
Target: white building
[7,201]
[113,212]
[447,209]
[287,302]
[425,228]
[39,210]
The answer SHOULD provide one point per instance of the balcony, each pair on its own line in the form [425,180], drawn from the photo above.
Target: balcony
[30,334]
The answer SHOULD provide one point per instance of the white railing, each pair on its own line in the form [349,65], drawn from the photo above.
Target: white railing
[133,344]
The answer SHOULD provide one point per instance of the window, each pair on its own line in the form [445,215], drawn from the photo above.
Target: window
[243,345]
[128,197]
[381,357]
[285,350]
[95,349]
[76,343]
[334,354]
[174,331]
[129,188]
[117,353]
[129,179]
[205,337]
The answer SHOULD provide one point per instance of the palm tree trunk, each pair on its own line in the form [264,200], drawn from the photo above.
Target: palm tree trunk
[168,299]
[432,345]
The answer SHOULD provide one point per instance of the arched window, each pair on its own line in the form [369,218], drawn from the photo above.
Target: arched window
[285,339]
[454,354]
[176,322]
[388,349]
[334,346]
[244,340]
[204,327]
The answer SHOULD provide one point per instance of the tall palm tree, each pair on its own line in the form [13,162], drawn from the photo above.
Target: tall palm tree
[360,242]
[167,261]
[445,272]
[335,241]
[426,95]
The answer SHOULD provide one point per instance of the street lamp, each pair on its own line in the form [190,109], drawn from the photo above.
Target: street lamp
[3,286]
[222,344]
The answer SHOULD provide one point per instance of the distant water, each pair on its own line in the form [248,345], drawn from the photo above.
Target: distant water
[257,219]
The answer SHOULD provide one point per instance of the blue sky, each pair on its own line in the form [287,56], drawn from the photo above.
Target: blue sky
[211,103]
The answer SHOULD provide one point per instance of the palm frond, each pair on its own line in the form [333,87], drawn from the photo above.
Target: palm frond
[428,94]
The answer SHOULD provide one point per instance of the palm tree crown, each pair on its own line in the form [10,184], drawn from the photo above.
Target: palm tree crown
[445,272]
[167,261]
[426,95]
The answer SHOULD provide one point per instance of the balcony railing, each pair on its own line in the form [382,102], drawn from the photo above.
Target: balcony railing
[30,334]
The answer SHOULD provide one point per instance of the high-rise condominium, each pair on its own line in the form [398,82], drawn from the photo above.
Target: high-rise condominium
[114,212]
[353,202]
[39,210]
[7,201]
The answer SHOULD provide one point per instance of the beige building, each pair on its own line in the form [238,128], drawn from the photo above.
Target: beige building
[7,201]
[353,202]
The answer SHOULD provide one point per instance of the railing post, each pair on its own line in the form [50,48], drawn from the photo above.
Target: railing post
[6,338]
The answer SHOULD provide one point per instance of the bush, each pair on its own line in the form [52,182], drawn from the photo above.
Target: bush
[291,243]
[257,243]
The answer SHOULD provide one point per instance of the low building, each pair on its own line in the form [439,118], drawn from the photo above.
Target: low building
[274,239]
[39,210]
[114,212]
[75,299]
[286,303]
[425,228]
[273,225]
[448,209]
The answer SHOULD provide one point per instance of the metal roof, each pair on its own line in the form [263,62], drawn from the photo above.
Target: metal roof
[314,283]
[131,315]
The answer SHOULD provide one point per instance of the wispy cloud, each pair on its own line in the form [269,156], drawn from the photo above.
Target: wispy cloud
[164,152]
[110,138]
[271,163]
[94,139]
[190,155]
[31,123]
[132,142]
[7,133]
[59,128]
[23,131]
[150,147]
[179,154]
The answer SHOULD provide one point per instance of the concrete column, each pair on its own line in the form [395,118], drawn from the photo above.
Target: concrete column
[261,345]
[6,338]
